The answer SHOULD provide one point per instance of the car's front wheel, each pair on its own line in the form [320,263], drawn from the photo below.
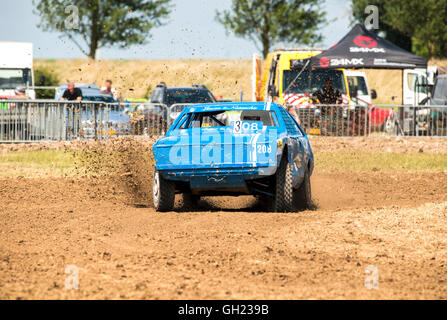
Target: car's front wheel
[303,195]
[163,193]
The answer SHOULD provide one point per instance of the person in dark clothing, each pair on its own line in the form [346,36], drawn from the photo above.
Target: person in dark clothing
[72,93]
[72,110]
[328,94]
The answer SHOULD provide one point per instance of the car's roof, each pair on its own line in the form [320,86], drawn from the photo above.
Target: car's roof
[88,90]
[80,85]
[220,106]
[186,88]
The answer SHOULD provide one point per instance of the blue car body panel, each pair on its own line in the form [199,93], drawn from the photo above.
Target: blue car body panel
[220,158]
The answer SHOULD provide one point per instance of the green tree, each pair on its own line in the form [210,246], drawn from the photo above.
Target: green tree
[268,22]
[387,29]
[101,23]
[45,77]
[425,21]
[419,26]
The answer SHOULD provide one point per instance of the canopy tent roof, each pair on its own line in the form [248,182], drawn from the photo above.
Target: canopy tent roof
[361,48]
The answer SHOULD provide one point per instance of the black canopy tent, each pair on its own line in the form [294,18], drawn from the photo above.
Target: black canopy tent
[361,48]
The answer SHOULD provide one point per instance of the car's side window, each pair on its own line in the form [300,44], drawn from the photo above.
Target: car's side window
[184,121]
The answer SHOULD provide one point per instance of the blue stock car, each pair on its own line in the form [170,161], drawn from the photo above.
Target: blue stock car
[249,148]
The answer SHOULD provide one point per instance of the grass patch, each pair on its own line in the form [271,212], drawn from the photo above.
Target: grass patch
[31,164]
[53,163]
[387,162]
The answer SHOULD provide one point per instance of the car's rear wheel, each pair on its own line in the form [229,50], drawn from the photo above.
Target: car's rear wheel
[303,195]
[283,198]
[163,193]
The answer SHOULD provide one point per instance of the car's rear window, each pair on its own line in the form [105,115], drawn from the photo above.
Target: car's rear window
[188,96]
[225,118]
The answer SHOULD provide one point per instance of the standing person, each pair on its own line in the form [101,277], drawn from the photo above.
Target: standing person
[72,112]
[72,93]
[108,89]
[328,94]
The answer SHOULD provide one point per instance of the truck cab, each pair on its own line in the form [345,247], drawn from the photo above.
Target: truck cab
[16,70]
[359,89]
[286,79]
[415,84]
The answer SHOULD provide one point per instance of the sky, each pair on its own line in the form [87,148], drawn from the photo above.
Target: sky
[191,33]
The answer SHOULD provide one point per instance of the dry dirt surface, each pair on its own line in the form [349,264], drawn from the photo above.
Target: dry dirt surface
[319,144]
[378,144]
[227,248]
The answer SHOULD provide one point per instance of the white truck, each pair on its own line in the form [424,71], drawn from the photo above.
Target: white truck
[413,118]
[17,123]
[16,70]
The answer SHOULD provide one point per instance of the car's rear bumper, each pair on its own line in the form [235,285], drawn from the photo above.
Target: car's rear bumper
[216,179]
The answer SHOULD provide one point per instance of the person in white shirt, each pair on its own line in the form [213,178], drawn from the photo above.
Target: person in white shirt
[108,89]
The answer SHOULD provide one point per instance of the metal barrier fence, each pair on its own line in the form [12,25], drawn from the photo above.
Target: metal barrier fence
[22,121]
[147,119]
[376,120]
[27,121]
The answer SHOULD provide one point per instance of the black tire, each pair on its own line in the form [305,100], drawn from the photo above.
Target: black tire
[283,199]
[303,195]
[190,201]
[163,193]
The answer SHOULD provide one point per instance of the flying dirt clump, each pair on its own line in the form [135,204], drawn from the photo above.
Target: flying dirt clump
[124,163]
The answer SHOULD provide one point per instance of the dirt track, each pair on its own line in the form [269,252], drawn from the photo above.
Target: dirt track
[124,250]
[227,249]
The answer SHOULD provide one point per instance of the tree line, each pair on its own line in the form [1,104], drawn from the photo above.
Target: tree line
[417,26]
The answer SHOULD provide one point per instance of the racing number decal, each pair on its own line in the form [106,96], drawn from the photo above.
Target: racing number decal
[254,150]
[264,149]
[245,126]
[260,152]
[237,126]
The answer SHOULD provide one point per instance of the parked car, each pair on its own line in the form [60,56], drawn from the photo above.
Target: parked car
[162,98]
[252,148]
[430,117]
[169,96]
[439,96]
[90,93]
[437,117]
